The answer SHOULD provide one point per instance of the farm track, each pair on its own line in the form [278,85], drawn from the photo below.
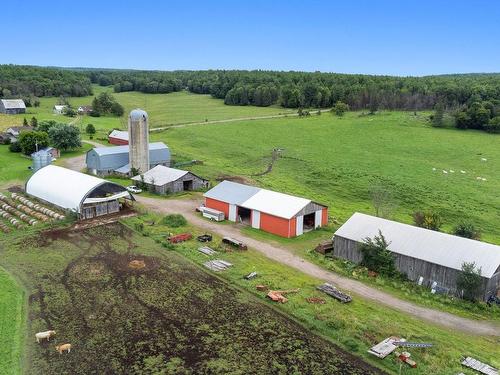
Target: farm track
[285,256]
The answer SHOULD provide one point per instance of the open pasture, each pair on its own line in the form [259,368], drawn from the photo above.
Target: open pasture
[337,161]
[128,306]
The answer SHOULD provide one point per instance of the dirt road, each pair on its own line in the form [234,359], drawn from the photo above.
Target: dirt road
[284,256]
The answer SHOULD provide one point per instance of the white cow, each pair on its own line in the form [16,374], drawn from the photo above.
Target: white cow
[44,335]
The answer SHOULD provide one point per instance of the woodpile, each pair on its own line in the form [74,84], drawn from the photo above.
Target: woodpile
[217,265]
[279,295]
[335,293]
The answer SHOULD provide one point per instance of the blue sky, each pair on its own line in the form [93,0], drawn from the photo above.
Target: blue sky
[415,37]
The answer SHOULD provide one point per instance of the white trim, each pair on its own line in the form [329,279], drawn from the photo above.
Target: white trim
[318,216]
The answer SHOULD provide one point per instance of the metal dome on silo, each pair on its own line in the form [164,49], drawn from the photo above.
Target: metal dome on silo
[138,131]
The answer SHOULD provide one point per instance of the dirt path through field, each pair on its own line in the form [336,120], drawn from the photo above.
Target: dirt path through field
[186,207]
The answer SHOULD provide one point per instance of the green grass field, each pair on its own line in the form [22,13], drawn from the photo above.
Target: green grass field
[337,161]
[11,323]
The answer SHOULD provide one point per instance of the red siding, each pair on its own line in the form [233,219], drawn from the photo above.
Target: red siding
[217,205]
[117,141]
[276,225]
[293,227]
[324,219]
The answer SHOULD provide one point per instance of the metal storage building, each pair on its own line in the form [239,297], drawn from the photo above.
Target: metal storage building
[422,253]
[103,161]
[118,137]
[86,195]
[12,106]
[164,180]
[281,214]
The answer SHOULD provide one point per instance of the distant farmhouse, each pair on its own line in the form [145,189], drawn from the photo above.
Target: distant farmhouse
[103,161]
[12,134]
[428,257]
[118,137]
[84,109]
[164,180]
[59,109]
[12,106]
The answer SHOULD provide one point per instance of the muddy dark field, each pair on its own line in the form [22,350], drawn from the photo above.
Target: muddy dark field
[127,306]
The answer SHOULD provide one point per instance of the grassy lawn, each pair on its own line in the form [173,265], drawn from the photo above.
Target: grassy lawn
[162,314]
[337,161]
[355,326]
[11,324]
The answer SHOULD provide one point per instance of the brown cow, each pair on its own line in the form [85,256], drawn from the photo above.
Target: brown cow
[63,347]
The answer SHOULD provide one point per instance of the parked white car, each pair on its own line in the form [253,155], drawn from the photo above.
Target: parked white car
[134,189]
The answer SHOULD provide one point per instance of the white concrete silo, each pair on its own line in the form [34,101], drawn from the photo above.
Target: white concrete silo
[138,140]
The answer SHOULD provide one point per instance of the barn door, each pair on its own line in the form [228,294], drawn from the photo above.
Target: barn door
[317,218]
[299,227]
[232,212]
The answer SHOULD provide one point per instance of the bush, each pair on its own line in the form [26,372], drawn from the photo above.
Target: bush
[467,230]
[493,125]
[174,220]
[377,257]
[428,220]
[14,147]
[469,281]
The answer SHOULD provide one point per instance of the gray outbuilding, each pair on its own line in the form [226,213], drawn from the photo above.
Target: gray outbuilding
[428,257]
[164,180]
[12,106]
[103,161]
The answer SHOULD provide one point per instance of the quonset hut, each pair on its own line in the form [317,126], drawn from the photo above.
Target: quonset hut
[426,256]
[281,214]
[86,195]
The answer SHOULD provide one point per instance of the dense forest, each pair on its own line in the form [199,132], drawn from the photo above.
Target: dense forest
[262,88]
[301,89]
[18,81]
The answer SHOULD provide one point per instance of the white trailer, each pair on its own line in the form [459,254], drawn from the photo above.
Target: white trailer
[212,214]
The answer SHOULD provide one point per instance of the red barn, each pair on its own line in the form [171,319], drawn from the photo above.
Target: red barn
[118,137]
[281,214]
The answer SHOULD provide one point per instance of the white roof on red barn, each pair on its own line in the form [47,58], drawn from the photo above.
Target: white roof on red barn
[119,134]
[428,245]
[254,198]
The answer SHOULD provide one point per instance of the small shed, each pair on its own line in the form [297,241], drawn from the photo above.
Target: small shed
[12,106]
[423,255]
[278,213]
[164,180]
[118,137]
[84,109]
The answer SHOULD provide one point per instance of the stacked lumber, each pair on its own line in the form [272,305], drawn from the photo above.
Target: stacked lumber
[479,366]
[279,295]
[324,247]
[335,293]
[206,250]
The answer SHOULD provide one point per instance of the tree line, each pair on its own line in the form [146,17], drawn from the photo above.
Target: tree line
[31,82]
[304,89]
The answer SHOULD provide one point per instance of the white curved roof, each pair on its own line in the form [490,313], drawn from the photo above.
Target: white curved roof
[61,186]
[434,247]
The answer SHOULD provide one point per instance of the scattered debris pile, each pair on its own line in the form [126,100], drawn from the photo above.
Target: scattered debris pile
[251,275]
[206,250]
[385,347]
[204,238]
[335,293]
[180,237]
[324,247]
[479,366]
[279,295]
[137,264]
[316,300]
[234,242]
[217,265]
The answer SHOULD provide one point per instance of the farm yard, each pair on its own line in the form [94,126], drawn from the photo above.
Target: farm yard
[128,305]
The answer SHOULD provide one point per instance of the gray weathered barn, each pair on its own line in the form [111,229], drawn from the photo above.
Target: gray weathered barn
[421,253]
[12,106]
[164,180]
[103,161]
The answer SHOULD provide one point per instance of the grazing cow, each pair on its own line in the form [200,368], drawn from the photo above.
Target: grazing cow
[44,335]
[63,347]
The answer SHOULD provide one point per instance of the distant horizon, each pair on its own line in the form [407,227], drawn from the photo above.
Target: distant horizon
[386,37]
[238,69]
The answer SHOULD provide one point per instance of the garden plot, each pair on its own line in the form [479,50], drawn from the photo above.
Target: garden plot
[126,305]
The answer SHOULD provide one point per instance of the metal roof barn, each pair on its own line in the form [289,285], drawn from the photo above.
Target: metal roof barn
[73,190]
[169,180]
[12,106]
[274,212]
[420,252]
[106,160]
